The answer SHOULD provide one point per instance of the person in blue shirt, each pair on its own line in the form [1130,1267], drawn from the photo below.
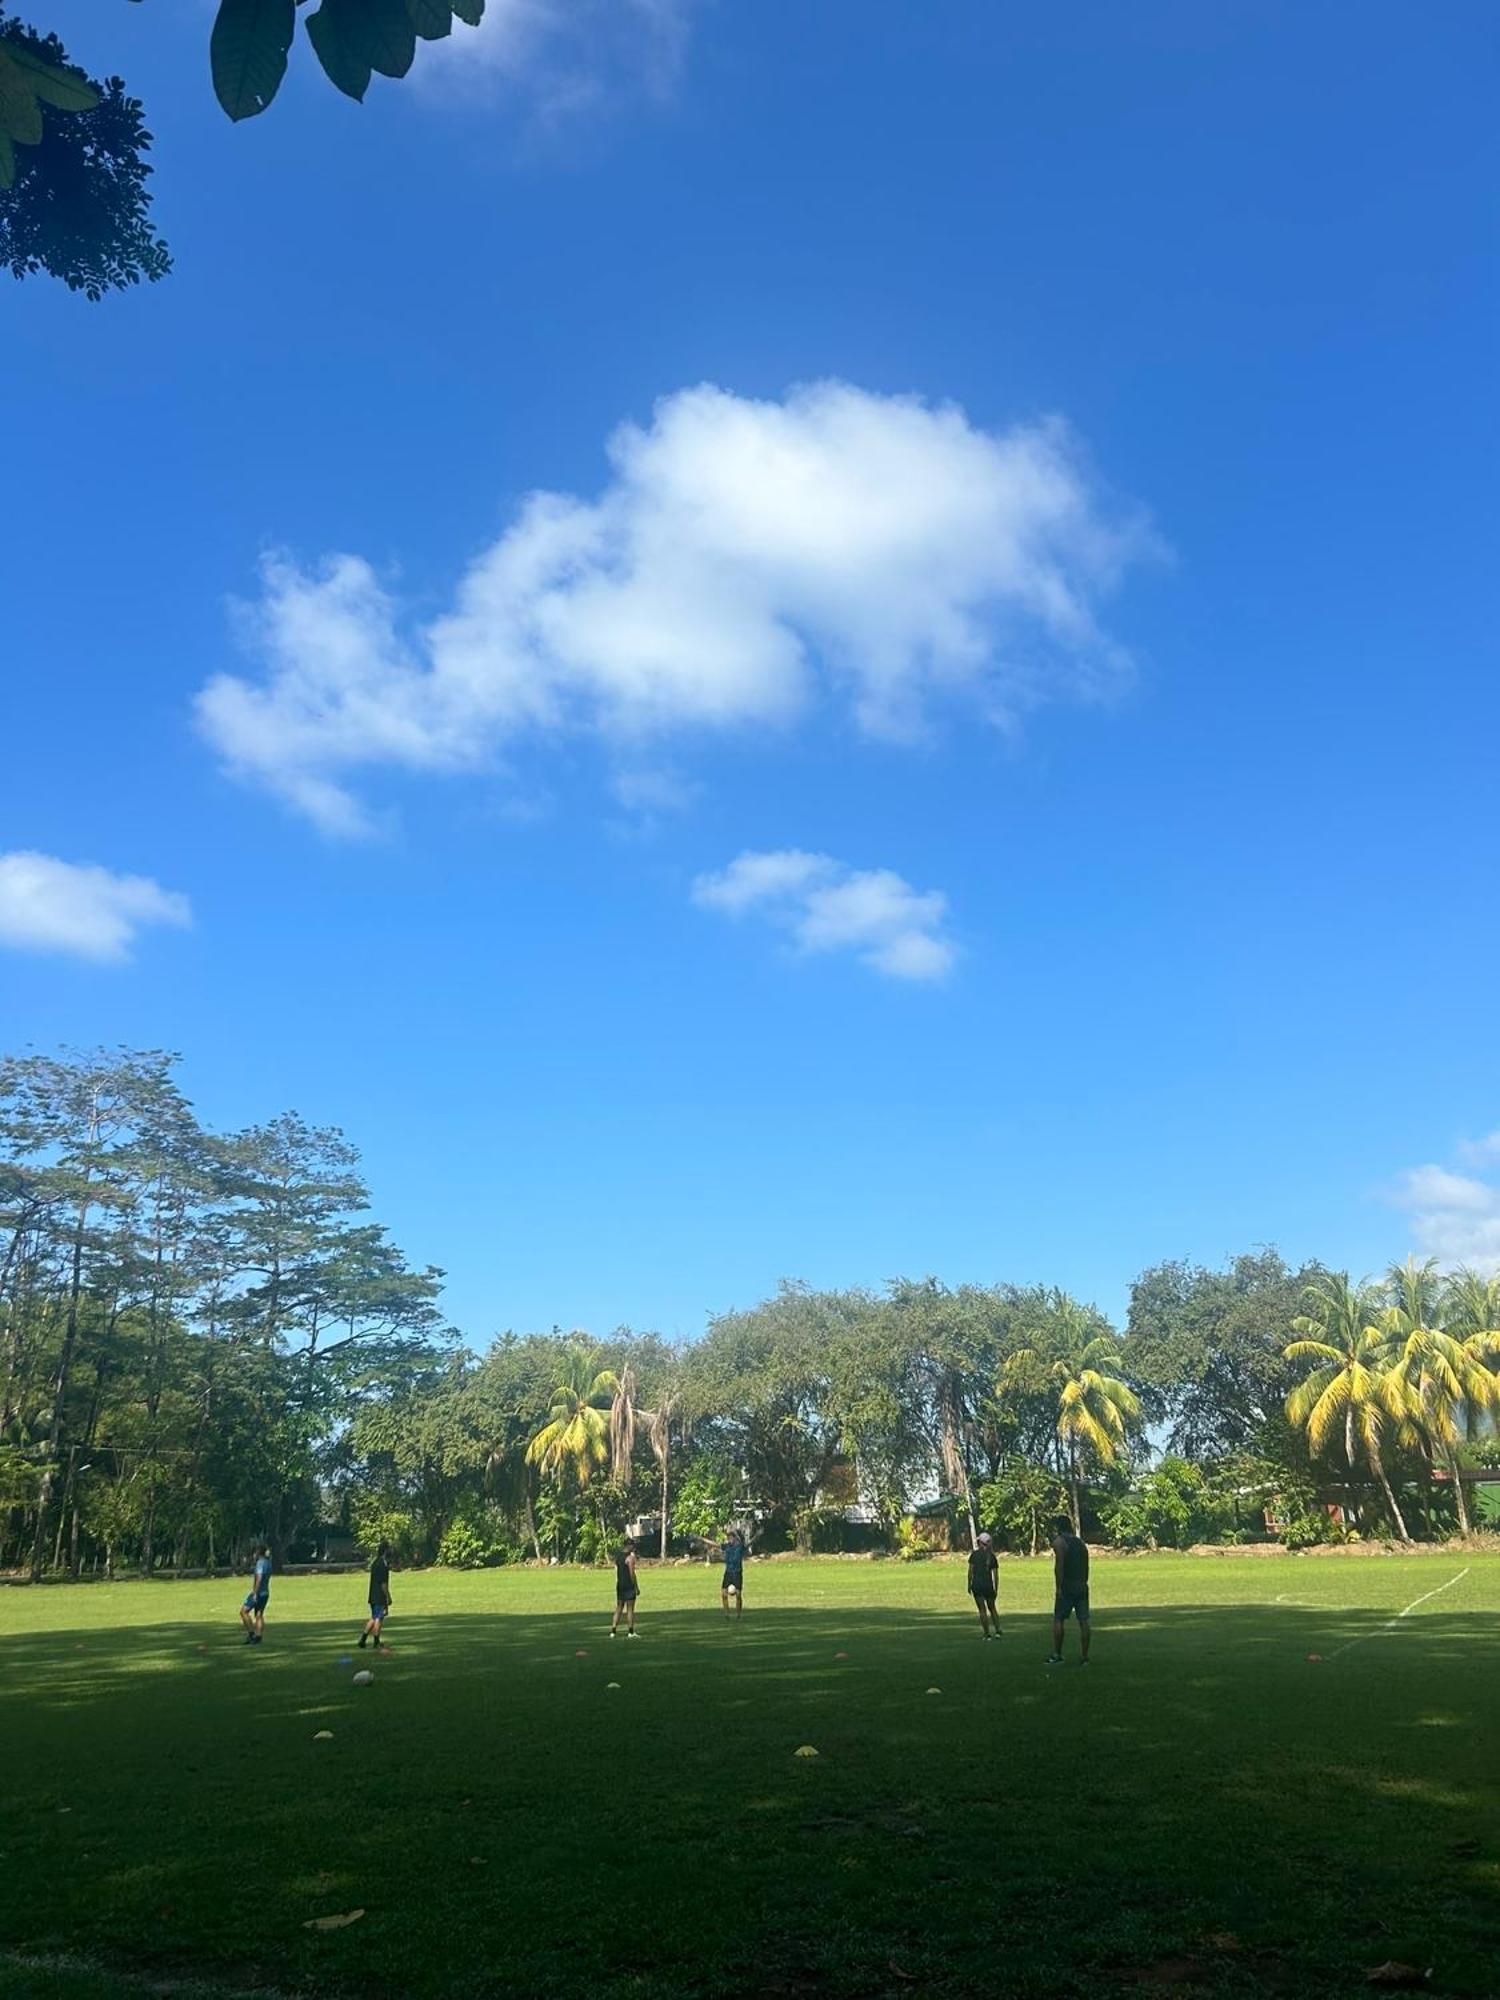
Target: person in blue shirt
[253,1610]
[732,1583]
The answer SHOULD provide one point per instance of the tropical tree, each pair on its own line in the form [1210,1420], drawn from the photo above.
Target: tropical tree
[1353,1393]
[660,1424]
[575,1440]
[1471,1311]
[1447,1377]
[1075,1353]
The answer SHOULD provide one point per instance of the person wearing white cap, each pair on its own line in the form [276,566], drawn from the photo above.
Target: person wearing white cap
[984,1583]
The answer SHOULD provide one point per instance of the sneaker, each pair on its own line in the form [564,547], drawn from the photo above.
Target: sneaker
[1083,1663]
[613,1633]
[632,1635]
[1054,1659]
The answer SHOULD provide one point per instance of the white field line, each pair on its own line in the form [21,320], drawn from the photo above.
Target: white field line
[1405,1612]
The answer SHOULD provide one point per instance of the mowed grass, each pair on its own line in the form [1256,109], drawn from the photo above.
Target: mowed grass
[1203,1809]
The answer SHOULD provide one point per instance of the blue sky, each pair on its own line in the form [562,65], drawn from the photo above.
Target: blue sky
[1054,544]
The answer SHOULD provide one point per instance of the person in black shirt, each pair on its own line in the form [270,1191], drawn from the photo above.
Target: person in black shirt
[984,1579]
[627,1590]
[1071,1569]
[380,1597]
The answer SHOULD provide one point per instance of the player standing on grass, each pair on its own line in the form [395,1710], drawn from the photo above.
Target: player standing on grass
[627,1590]
[253,1610]
[732,1584]
[1071,1569]
[380,1596]
[984,1584]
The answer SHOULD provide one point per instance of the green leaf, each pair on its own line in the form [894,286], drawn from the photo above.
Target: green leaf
[343,65]
[7,162]
[471,11]
[432,19]
[382,32]
[20,113]
[248,53]
[60,87]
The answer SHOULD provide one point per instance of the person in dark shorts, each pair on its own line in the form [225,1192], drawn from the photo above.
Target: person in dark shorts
[627,1590]
[1070,1556]
[732,1585]
[253,1610]
[984,1584]
[380,1597]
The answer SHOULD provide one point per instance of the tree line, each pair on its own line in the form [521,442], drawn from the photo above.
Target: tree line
[205,1341]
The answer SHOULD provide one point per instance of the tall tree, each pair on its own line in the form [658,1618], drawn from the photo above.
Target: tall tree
[1076,1350]
[1447,1377]
[1353,1393]
[574,1441]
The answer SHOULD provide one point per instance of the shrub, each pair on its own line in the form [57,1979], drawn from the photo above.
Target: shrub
[1172,1507]
[479,1539]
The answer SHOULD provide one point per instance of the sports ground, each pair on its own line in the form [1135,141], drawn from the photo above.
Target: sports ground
[1204,1809]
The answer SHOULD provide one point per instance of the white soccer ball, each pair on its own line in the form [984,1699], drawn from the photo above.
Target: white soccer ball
[363,1678]
[731,1590]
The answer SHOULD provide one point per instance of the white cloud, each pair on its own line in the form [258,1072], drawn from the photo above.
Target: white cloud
[745,561]
[1480,1152]
[51,905]
[564,56]
[653,792]
[827,906]
[1454,1217]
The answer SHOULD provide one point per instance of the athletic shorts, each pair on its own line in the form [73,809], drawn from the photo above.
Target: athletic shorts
[257,1603]
[984,1598]
[734,1579]
[627,1597]
[379,1611]
[1070,1602]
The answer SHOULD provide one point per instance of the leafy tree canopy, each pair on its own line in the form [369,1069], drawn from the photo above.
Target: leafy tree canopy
[73,173]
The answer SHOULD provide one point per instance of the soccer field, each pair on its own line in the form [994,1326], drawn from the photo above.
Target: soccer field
[1205,1808]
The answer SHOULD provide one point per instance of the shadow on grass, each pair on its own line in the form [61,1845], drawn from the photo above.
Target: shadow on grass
[1206,1808]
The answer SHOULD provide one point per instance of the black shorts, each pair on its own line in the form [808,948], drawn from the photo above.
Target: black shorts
[985,1599]
[1070,1603]
[627,1597]
[734,1579]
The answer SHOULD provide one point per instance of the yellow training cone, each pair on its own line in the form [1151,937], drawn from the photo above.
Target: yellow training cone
[806,1751]
[934,1690]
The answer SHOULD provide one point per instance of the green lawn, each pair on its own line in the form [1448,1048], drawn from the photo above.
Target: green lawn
[1205,1808]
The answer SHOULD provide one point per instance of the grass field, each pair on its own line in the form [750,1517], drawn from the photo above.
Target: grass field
[1204,1809]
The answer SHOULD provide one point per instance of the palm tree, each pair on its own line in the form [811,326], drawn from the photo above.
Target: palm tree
[659,1424]
[622,1426]
[1353,1392]
[576,1436]
[1074,1355]
[1447,1374]
[1471,1312]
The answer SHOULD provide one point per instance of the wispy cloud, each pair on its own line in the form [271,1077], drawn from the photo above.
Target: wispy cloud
[744,561]
[87,912]
[827,906]
[1480,1152]
[1455,1217]
[564,57]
